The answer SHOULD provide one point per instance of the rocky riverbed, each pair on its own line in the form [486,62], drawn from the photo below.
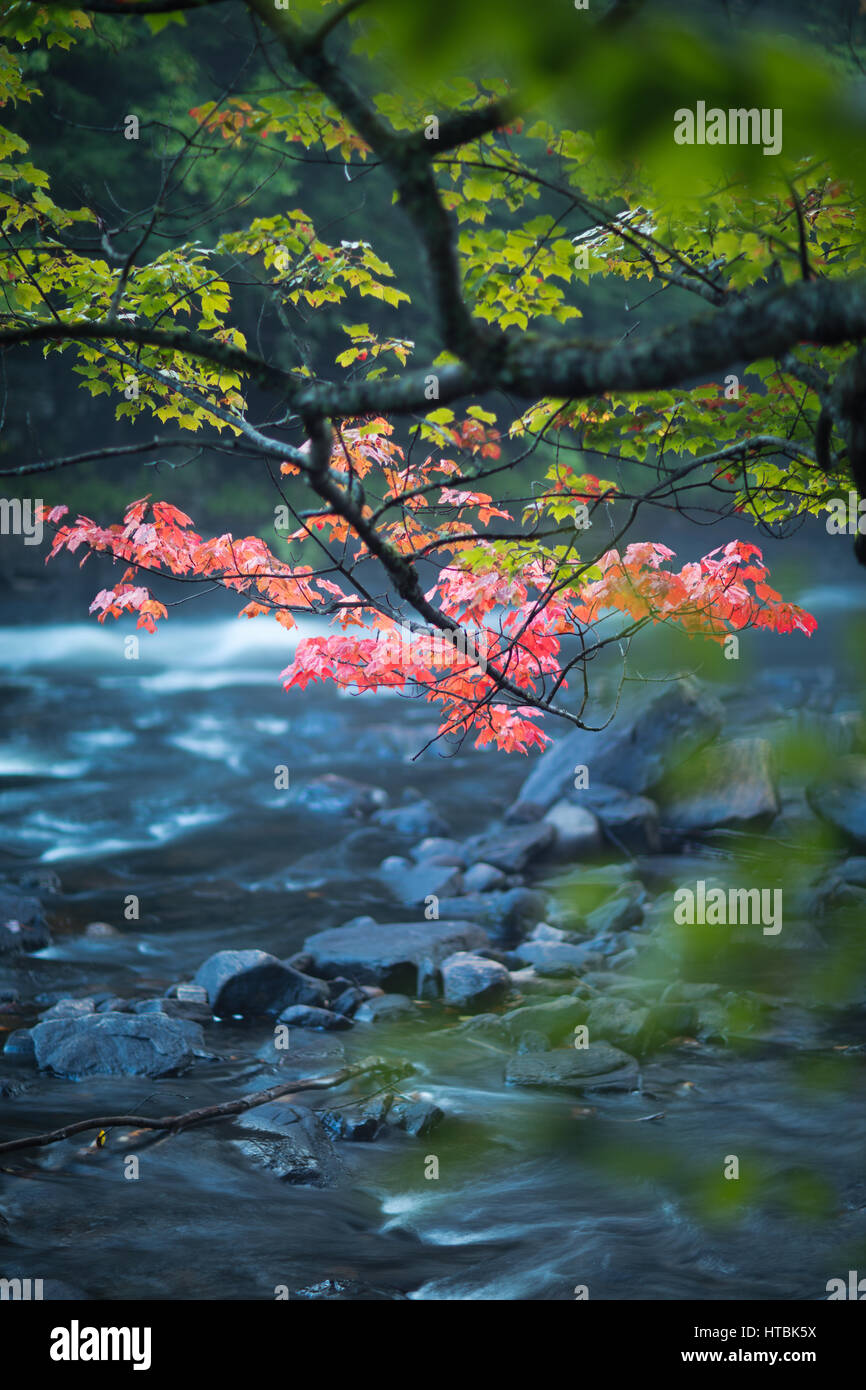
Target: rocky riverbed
[568,1063]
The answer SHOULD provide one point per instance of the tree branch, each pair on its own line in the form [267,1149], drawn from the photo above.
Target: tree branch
[205,1114]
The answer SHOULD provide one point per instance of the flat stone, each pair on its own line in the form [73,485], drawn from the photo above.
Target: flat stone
[175,1008]
[304,1016]
[417,818]
[512,847]
[556,957]
[69,1008]
[555,1019]
[413,884]
[117,1045]
[619,1022]
[438,849]
[389,954]
[598,1066]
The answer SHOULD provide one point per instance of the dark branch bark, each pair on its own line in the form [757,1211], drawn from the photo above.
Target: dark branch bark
[175,1123]
[767,324]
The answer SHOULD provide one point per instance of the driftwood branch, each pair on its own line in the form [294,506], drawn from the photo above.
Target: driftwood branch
[175,1123]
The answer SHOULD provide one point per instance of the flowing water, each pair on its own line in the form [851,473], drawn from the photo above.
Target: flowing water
[155,778]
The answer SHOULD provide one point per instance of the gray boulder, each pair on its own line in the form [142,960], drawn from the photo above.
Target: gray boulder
[420,819]
[511,848]
[387,1008]
[840,798]
[555,958]
[577,831]
[728,784]
[415,1117]
[472,982]
[628,821]
[253,982]
[635,751]
[483,878]
[117,1045]
[389,955]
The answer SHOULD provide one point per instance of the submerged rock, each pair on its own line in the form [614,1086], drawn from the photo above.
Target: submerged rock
[415,1117]
[554,1020]
[253,982]
[623,910]
[598,1067]
[389,955]
[117,1045]
[22,925]
[303,1016]
[333,795]
[305,1052]
[289,1143]
[20,1045]
[341,1290]
[387,1008]
[420,819]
